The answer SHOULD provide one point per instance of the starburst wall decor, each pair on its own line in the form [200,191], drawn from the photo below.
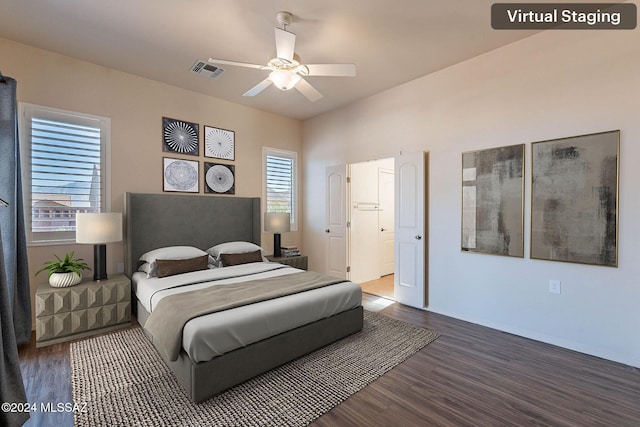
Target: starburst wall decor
[219,143]
[180,137]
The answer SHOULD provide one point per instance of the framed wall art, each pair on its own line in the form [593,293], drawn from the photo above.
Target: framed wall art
[493,201]
[219,143]
[180,175]
[219,178]
[574,199]
[180,137]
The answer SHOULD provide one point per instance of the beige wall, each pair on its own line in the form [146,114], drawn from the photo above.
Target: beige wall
[136,106]
[551,85]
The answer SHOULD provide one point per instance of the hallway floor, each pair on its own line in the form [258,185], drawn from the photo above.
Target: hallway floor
[382,287]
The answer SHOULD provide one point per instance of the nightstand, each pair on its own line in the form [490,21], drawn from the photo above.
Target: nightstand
[89,308]
[299,261]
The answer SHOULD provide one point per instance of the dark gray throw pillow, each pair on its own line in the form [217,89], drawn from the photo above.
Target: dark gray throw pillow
[170,267]
[244,258]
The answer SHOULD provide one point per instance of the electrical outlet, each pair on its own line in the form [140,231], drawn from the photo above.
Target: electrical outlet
[120,267]
[555,287]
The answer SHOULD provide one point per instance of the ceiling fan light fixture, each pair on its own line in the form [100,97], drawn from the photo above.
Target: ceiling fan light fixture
[286,68]
[284,79]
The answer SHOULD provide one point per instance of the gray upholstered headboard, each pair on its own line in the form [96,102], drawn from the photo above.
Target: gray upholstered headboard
[157,220]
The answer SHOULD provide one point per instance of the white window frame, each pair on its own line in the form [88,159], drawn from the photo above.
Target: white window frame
[26,113]
[267,151]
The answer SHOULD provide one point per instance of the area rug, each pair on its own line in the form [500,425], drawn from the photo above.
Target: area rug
[119,379]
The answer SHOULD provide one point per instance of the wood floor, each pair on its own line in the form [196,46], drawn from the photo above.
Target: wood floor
[470,376]
[382,287]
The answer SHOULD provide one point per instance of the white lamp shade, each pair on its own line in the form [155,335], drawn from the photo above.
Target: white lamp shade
[277,222]
[98,227]
[284,79]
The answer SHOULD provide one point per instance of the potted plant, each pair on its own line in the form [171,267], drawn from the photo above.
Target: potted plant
[64,272]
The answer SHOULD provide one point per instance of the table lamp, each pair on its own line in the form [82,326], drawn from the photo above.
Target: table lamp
[99,229]
[277,222]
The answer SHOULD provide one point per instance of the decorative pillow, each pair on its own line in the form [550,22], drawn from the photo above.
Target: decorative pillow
[244,258]
[233,248]
[148,259]
[170,267]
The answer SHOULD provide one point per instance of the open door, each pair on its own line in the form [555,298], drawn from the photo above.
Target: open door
[410,227]
[336,217]
[386,233]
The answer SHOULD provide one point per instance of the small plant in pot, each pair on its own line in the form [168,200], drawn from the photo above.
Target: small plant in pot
[64,272]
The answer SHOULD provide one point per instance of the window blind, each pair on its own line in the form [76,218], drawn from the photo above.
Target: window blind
[280,185]
[65,173]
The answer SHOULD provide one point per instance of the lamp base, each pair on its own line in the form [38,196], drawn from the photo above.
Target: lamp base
[276,245]
[99,262]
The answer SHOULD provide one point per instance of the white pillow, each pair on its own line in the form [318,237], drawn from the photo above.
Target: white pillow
[146,267]
[233,248]
[148,259]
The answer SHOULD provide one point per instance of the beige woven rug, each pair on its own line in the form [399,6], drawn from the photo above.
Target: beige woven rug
[125,383]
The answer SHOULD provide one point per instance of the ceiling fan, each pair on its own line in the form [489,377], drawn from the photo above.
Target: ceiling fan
[286,68]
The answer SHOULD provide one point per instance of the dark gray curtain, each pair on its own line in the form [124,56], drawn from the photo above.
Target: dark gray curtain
[15,297]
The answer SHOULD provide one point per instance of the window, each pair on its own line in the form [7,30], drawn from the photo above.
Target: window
[280,183]
[65,169]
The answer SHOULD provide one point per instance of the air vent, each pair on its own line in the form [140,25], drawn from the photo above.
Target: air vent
[205,69]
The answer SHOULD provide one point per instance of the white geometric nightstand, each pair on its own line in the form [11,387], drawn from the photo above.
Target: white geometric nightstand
[90,308]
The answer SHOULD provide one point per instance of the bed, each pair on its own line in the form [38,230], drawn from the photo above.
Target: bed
[221,349]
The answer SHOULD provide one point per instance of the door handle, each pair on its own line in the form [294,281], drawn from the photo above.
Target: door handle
[418,237]
[327,231]
[382,229]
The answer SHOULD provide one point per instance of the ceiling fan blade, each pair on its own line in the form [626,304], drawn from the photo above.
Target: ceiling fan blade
[285,44]
[234,63]
[258,88]
[307,90]
[338,70]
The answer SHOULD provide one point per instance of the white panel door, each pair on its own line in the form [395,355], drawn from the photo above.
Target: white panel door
[336,221]
[362,212]
[410,246]
[385,222]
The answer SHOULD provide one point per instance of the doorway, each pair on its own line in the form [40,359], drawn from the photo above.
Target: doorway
[371,226]
[410,226]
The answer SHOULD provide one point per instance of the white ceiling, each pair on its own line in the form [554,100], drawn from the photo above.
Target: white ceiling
[391,42]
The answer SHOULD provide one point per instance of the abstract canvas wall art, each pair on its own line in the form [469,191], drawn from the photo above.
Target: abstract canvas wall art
[219,143]
[219,178]
[180,137]
[493,201]
[180,175]
[574,199]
